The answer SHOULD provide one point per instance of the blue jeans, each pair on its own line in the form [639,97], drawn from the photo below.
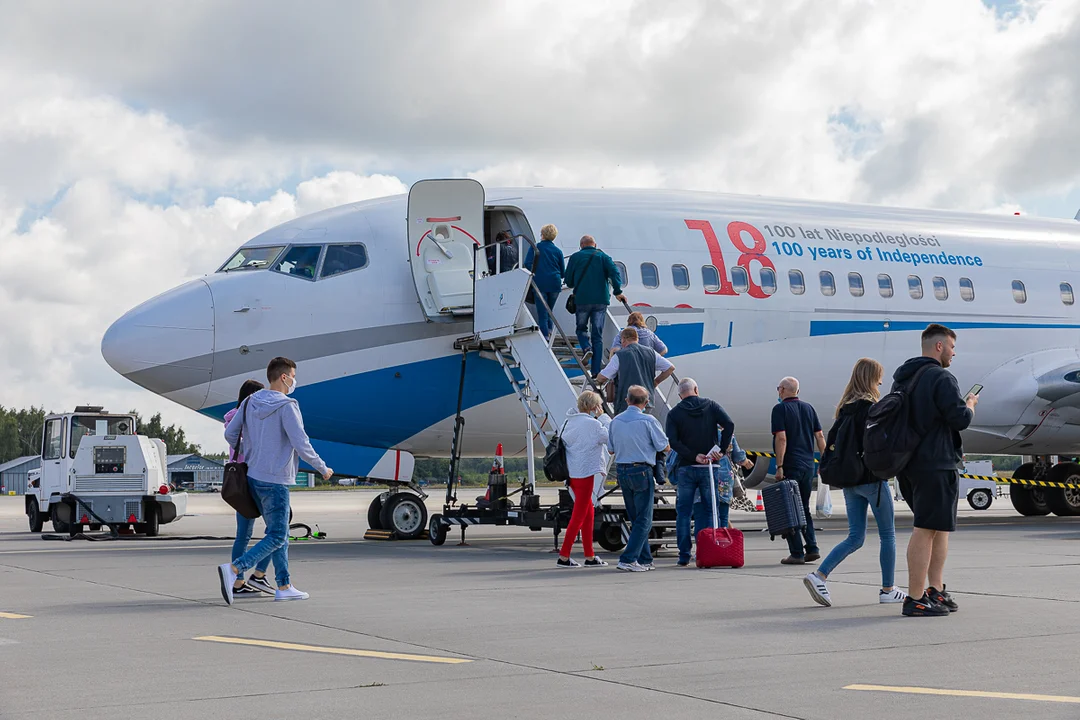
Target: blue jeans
[272,500]
[636,483]
[244,528]
[593,315]
[692,480]
[805,478]
[878,497]
[543,319]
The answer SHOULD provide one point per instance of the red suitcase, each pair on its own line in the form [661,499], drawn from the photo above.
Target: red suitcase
[717,546]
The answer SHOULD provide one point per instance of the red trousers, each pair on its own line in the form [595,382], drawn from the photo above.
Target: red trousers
[582,517]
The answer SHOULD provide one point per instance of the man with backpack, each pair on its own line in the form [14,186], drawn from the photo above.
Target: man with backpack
[930,479]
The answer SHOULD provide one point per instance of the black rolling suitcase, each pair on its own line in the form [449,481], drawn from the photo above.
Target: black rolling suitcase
[783,508]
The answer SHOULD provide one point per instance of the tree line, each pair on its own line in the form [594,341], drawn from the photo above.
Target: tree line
[20,433]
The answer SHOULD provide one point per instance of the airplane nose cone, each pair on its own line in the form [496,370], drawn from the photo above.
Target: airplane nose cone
[166,345]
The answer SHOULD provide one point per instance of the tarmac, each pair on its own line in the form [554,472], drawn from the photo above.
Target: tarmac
[137,628]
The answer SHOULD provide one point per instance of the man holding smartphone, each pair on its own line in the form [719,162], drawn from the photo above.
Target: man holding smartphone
[931,480]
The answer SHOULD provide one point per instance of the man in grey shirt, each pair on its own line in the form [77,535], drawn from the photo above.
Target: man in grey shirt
[273,441]
[634,438]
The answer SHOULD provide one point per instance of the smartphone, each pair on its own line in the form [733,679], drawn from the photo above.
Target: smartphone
[975,390]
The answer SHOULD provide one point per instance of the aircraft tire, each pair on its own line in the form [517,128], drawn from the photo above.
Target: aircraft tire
[1029,502]
[374,514]
[437,530]
[610,537]
[405,515]
[34,516]
[1064,502]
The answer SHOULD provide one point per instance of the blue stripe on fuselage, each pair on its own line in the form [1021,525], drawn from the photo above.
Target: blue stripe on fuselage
[820,328]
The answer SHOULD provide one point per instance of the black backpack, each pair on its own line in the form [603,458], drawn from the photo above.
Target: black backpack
[555,467]
[889,439]
[841,464]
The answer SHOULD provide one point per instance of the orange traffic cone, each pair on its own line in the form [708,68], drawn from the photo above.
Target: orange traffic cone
[759,506]
[498,467]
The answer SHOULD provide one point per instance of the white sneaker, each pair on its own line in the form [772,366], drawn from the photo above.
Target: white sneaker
[650,566]
[818,589]
[896,595]
[630,567]
[228,580]
[290,594]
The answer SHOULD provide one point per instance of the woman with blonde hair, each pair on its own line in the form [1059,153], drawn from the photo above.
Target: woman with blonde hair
[585,435]
[645,336]
[861,491]
[548,267]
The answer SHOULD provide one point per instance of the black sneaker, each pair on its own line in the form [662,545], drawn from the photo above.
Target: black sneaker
[568,563]
[923,607]
[261,584]
[594,562]
[943,598]
[245,590]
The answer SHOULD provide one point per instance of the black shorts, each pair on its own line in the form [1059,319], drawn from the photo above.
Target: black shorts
[933,497]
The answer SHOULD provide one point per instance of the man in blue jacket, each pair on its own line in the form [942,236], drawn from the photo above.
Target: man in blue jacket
[589,272]
[546,264]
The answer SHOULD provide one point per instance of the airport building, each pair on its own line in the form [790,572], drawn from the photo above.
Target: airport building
[194,472]
[13,474]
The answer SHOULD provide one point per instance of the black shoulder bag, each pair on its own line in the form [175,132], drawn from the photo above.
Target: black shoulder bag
[234,485]
[571,303]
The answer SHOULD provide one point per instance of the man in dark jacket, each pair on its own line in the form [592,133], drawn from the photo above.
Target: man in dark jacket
[931,481]
[692,431]
[589,272]
[546,265]
[507,251]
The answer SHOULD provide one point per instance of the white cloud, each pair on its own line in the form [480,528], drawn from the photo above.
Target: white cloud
[143,146]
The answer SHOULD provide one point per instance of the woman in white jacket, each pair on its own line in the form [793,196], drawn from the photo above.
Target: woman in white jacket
[585,435]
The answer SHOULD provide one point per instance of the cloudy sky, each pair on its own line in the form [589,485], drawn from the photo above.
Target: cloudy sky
[140,143]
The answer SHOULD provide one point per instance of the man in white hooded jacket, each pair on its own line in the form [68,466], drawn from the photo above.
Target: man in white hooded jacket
[273,441]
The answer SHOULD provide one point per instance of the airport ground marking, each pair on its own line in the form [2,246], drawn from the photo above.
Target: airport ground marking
[967,693]
[332,650]
[14,616]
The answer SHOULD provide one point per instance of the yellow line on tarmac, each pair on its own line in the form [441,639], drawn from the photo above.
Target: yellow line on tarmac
[333,650]
[13,616]
[967,693]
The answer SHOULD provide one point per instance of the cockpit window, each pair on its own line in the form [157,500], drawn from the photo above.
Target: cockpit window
[82,426]
[301,261]
[255,258]
[343,258]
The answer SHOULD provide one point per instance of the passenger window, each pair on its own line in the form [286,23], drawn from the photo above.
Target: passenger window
[768,281]
[796,282]
[828,283]
[1019,292]
[624,278]
[740,279]
[1067,294]
[884,285]
[650,276]
[914,287]
[967,289]
[710,278]
[680,276]
[52,446]
[941,288]
[342,259]
[855,284]
[300,261]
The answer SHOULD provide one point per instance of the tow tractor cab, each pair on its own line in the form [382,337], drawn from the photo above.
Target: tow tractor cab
[95,470]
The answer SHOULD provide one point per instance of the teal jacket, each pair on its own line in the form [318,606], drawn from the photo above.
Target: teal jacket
[590,283]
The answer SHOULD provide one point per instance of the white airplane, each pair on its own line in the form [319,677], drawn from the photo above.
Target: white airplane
[369,299]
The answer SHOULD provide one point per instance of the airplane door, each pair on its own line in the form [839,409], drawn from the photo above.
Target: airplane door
[446,224]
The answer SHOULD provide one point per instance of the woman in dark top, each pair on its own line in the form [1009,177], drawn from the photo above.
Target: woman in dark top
[867,491]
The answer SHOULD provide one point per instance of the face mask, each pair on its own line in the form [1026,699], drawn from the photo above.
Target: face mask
[289,390]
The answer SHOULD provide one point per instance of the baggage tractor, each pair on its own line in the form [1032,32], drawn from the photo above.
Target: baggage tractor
[783,508]
[717,546]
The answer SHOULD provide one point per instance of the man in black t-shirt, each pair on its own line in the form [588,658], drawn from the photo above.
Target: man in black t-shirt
[796,432]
